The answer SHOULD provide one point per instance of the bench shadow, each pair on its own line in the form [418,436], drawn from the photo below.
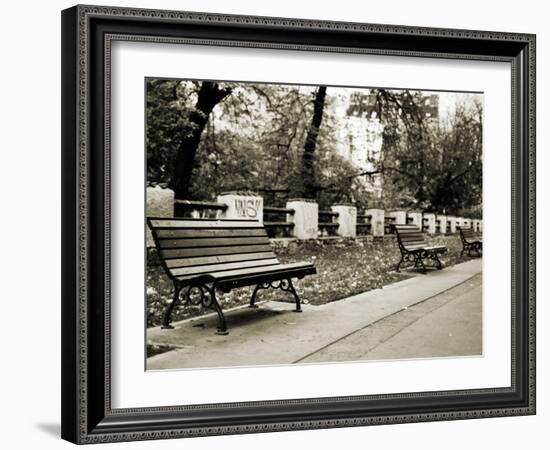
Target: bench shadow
[419,271]
[243,317]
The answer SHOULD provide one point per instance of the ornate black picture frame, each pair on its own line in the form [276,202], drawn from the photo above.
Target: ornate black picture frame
[87,34]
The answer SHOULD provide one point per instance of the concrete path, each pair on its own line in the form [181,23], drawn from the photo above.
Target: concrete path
[448,324]
[350,329]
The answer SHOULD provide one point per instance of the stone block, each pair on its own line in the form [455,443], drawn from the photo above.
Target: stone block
[376,221]
[429,222]
[159,203]
[305,218]
[242,206]
[347,220]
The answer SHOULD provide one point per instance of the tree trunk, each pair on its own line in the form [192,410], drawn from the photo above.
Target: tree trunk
[308,182]
[210,94]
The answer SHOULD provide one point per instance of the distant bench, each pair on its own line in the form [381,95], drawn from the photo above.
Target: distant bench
[471,241]
[206,255]
[414,248]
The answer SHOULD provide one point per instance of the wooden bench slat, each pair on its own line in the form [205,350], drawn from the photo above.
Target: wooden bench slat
[435,248]
[259,270]
[412,237]
[418,238]
[212,268]
[212,242]
[209,232]
[212,251]
[203,260]
[280,268]
[415,246]
[265,277]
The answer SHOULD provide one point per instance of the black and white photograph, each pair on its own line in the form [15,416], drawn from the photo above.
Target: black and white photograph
[305,224]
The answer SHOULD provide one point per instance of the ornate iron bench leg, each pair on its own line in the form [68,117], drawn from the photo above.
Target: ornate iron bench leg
[168,312]
[222,326]
[296,297]
[284,285]
[400,262]
[419,259]
[253,298]
[438,262]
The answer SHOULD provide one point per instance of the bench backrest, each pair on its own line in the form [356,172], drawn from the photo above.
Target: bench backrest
[192,247]
[467,233]
[409,237]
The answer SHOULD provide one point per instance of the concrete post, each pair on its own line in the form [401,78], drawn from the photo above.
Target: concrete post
[242,206]
[467,223]
[459,221]
[416,218]
[160,203]
[451,224]
[347,220]
[442,223]
[481,225]
[376,221]
[429,222]
[305,218]
[399,217]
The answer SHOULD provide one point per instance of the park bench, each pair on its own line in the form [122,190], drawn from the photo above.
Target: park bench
[414,248]
[209,255]
[470,241]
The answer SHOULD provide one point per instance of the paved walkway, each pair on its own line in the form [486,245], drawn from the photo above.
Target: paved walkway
[438,314]
[448,324]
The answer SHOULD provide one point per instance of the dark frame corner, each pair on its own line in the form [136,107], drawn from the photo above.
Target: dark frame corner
[87,31]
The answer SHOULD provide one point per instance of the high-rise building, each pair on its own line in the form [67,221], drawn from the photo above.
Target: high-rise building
[360,129]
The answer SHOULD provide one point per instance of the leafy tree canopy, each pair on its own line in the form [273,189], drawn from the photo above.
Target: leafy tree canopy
[253,137]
